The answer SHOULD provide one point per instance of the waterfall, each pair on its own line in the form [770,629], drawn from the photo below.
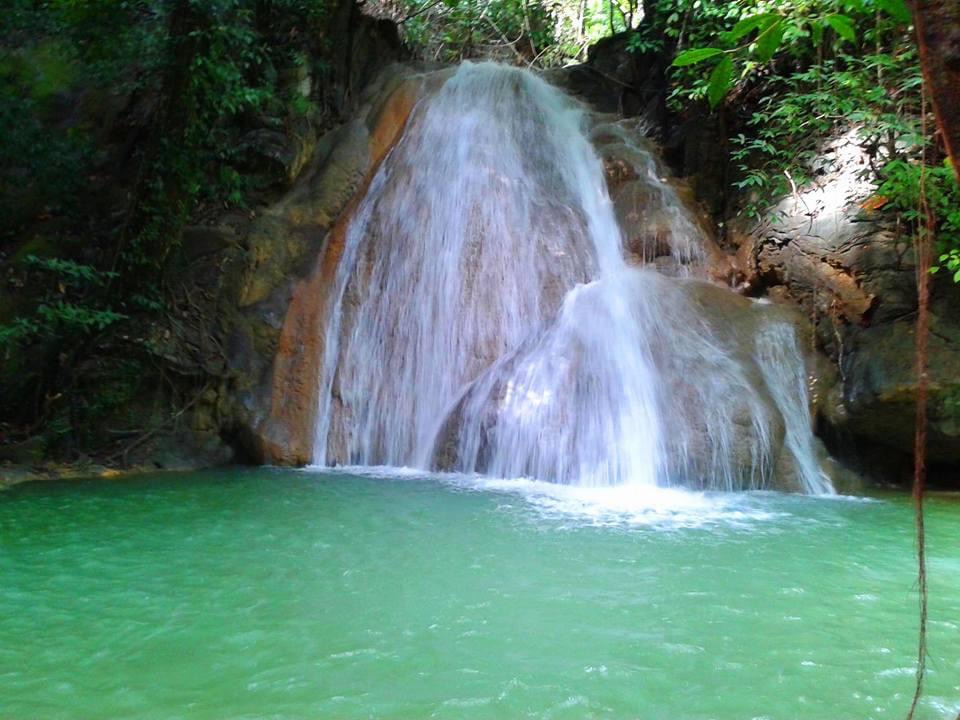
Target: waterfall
[484,317]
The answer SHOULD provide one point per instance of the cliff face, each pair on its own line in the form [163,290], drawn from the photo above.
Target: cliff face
[266,271]
[847,272]
[854,276]
[281,412]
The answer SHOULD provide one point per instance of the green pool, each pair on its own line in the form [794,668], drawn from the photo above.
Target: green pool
[272,594]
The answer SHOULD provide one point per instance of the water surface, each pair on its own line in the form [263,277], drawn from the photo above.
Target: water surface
[270,594]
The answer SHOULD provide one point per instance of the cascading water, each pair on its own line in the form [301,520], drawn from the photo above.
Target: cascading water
[484,318]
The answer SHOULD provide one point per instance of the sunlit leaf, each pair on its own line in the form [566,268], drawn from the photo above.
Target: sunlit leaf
[816,33]
[768,41]
[842,26]
[691,57]
[897,9]
[748,25]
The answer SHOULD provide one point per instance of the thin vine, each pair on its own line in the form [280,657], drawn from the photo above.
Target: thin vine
[923,247]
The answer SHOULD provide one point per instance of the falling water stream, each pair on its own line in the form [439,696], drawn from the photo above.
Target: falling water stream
[485,318]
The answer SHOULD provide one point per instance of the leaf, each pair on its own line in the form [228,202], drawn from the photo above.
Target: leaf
[842,26]
[720,81]
[768,41]
[816,33]
[747,25]
[897,9]
[691,57]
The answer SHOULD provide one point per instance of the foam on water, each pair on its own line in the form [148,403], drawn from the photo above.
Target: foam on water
[622,505]
[627,505]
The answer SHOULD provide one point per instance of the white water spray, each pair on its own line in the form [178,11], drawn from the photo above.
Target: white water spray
[485,320]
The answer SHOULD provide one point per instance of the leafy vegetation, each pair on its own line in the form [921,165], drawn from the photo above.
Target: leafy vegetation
[124,120]
[533,32]
[808,70]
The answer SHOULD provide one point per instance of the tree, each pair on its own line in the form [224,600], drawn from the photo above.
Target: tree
[938,37]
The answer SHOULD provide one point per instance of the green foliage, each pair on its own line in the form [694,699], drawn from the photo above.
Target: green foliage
[454,30]
[692,57]
[802,30]
[123,120]
[69,271]
[226,68]
[901,188]
[897,9]
[538,32]
[950,261]
[70,307]
[720,80]
[823,66]
[62,317]
[876,93]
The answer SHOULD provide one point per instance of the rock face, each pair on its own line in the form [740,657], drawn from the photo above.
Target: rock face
[618,81]
[854,277]
[879,388]
[302,236]
[726,419]
[749,426]
[660,219]
[850,275]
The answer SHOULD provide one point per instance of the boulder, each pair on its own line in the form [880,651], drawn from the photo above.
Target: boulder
[879,387]
[854,275]
[661,221]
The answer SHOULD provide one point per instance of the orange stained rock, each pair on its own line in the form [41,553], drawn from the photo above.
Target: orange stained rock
[286,436]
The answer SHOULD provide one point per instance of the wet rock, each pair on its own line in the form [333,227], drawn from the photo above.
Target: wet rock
[659,218]
[292,255]
[176,452]
[617,80]
[284,152]
[855,279]
[878,401]
[692,384]
[27,452]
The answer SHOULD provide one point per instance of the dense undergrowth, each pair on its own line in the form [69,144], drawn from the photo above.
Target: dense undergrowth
[791,75]
[125,120]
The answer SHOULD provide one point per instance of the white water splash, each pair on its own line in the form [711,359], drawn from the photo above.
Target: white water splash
[485,319]
[779,359]
[665,208]
[615,506]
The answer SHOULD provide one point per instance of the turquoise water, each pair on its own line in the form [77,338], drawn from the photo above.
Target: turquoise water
[270,594]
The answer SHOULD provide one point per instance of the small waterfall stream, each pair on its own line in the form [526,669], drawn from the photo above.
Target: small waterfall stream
[484,318]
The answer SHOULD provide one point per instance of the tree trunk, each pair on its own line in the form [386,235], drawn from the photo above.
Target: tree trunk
[938,37]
